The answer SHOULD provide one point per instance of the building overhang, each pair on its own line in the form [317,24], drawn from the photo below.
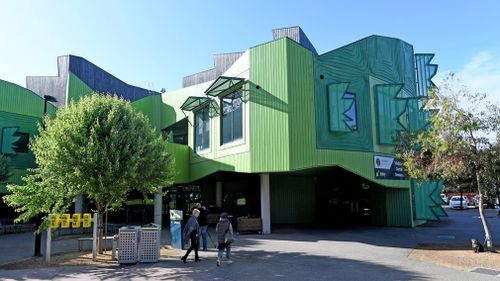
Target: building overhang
[222,84]
[192,103]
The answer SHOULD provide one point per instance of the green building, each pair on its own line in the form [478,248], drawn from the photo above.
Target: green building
[285,134]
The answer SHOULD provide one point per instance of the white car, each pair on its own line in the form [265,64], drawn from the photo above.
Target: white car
[455,202]
[444,198]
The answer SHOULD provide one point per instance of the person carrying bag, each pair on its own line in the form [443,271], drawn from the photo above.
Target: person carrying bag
[225,237]
[191,231]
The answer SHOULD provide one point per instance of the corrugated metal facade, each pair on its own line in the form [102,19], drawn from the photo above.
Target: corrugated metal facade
[399,210]
[222,62]
[19,100]
[292,200]
[20,113]
[301,105]
[77,88]
[269,107]
[181,155]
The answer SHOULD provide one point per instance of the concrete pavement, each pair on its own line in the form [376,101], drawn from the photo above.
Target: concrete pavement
[364,253]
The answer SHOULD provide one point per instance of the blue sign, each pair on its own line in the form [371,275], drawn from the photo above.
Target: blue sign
[176,228]
[389,168]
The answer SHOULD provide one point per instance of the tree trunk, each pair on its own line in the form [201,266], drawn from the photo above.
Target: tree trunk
[100,211]
[489,238]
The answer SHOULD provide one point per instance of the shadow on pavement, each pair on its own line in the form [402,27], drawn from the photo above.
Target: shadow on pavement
[249,265]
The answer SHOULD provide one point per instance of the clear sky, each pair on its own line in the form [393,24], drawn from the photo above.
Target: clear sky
[154,44]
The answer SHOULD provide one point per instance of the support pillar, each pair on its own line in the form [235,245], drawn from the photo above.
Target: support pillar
[265,203]
[218,194]
[158,207]
[79,204]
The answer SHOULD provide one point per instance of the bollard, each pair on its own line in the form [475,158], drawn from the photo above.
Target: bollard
[114,246]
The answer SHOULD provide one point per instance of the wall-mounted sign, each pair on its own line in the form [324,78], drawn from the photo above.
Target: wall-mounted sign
[87,220]
[76,220]
[175,215]
[389,168]
[241,202]
[65,220]
[54,220]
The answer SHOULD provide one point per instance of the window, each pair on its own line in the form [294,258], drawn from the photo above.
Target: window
[201,130]
[232,117]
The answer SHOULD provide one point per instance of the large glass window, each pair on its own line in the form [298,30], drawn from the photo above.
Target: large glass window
[232,117]
[201,129]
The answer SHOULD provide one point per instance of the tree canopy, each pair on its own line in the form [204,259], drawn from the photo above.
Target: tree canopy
[459,145]
[99,147]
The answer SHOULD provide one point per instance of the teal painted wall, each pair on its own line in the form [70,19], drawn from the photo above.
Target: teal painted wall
[21,112]
[387,59]
[398,207]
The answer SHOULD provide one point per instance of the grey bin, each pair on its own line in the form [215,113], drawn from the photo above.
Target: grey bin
[149,245]
[128,244]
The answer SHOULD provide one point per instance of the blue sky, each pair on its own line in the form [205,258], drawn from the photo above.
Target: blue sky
[154,44]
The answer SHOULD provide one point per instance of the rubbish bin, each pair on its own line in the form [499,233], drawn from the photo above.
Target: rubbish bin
[149,245]
[128,244]
[176,228]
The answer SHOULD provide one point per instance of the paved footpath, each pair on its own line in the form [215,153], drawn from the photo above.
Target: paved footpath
[371,253]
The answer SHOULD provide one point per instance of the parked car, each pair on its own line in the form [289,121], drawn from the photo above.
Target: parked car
[455,202]
[444,198]
[487,203]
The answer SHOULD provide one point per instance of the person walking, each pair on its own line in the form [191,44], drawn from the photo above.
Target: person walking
[202,221]
[224,231]
[191,231]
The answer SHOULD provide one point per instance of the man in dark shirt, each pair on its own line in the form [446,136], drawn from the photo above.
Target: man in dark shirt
[202,221]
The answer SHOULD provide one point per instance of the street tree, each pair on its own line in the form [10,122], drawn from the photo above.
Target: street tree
[99,147]
[456,147]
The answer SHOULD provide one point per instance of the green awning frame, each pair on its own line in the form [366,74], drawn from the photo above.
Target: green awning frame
[222,84]
[193,102]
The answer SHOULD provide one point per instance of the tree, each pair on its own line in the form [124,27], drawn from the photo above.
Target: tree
[99,147]
[4,168]
[458,144]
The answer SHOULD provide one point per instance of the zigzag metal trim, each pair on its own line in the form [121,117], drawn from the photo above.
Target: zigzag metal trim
[425,72]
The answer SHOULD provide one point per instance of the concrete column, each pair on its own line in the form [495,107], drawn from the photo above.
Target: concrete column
[265,203]
[218,194]
[79,204]
[158,207]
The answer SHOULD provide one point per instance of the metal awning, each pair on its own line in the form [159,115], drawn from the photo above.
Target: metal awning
[193,102]
[222,84]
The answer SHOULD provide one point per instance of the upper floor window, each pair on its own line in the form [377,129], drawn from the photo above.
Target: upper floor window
[232,117]
[201,129]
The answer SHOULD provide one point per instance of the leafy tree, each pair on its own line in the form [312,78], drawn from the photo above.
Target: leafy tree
[4,168]
[99,147]
[457,146]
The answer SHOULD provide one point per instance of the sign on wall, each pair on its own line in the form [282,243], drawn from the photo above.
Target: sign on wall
[54,220]
[75,220]
[389,168]
[87,220]
[70,220]
[65,220]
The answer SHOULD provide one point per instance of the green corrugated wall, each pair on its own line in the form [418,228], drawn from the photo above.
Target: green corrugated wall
[181,156]
[22,109]
[269,108]
[76,88]
[292,199]
[398,206]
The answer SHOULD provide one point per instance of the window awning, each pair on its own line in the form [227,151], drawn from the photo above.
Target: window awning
[222,84]
[193,102]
